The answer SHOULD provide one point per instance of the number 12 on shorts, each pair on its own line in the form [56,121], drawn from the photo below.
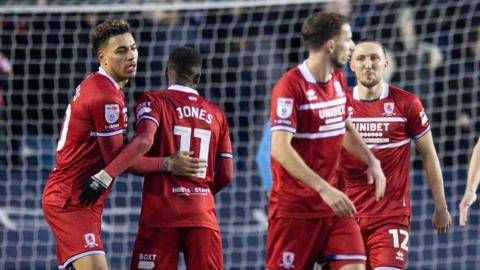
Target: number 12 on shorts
[204,135]
[396,238]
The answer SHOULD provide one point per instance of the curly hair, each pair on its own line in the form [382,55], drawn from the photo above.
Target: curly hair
[104,31]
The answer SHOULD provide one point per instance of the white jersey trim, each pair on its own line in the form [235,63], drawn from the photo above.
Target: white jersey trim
[320,105]
[225,155]
[417,137]
[378,119]
[349,257]
[182,88]
[332,126]
[149,118]
[319,134]
[383,95]
[107,134]
[104,73]
[389,145]
[78,256]
[284,128]
[386,268]
[307,75]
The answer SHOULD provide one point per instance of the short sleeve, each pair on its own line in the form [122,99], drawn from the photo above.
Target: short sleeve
[417,120]
[224,148]
[109,115]
[146,110]
[284,107]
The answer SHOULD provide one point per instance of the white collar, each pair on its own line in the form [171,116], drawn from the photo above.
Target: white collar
[383,95]
[308,75]
[182,88]
[104,73]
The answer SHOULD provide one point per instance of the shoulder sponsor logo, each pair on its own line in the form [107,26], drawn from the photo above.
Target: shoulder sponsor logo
[90,240]
[388,108]
[424,117]
[143,108]
[284,107]
[288,259]
[338,89]
[311,95]
[112,112]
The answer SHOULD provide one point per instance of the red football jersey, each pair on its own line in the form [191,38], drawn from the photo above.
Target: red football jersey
[387,126]
[315,113]
[186,122]
[97,110]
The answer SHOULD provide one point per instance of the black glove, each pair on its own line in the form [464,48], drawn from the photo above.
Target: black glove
[94,187]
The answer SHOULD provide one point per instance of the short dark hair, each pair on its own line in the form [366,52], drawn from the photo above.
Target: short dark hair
[184,60]
[373,41]
[320,27]
[104,31]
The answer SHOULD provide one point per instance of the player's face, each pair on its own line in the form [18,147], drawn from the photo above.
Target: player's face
[344,46]
[120,56]
[368,63]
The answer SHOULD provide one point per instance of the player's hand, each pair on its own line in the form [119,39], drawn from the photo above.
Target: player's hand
[375,175]
[181,163]
[338,201]
[441,220]
[94,187]
[468,199]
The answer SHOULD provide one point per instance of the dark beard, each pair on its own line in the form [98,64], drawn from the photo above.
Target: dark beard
[337,64]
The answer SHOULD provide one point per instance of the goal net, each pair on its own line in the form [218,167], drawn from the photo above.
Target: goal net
[434,51]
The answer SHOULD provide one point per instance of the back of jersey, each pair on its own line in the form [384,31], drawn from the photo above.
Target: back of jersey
[186,122]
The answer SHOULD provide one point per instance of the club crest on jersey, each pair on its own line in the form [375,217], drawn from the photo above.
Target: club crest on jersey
[311,95]
[388,108]
[284,107]
[90,240]
[399,256]
[338,89]
[287,260]
[112,112]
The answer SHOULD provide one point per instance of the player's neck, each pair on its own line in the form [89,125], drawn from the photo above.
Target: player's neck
[370,93]
[120,83]
[320,67]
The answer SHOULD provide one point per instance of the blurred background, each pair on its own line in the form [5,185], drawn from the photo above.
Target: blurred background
[433,48]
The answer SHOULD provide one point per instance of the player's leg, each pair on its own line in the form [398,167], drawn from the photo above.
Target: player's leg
[202,249]
[156,248]
[388,242]
[294,243]
[77,236]
[344,248]
[91,262]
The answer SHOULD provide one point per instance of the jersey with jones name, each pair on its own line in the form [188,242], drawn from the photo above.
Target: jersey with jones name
[315,113]
[186,122]
[387,125]
[96,110]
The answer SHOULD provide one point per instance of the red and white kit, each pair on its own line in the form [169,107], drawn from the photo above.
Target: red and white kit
[387,125]
[315,113]
[97,110]
[181,210]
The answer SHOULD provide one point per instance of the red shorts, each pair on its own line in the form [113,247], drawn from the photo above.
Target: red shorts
[76,230]
[299,243]
[386,241]
[159,248]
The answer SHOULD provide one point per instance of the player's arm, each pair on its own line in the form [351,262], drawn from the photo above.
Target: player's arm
[287,156]
[473,180]
[223,175]
[441,218]
[354,144]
